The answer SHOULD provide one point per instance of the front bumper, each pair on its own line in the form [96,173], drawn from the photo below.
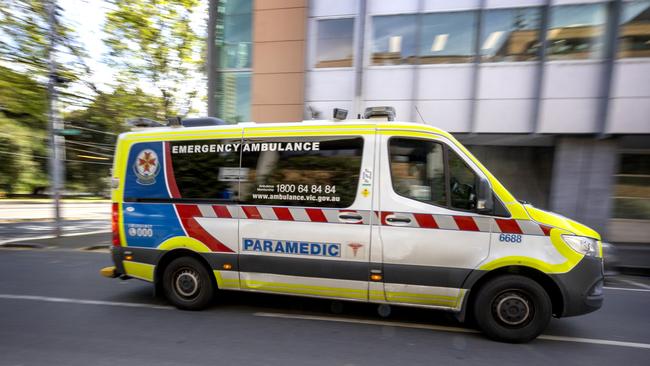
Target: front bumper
[582,287]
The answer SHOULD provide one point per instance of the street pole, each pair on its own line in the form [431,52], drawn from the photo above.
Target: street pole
[54,124]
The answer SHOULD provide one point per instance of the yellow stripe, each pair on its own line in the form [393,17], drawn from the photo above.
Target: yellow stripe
[225,283]
[184,242]
[572,257]
[308,133]
[142,271]
[305,289]
[358,294]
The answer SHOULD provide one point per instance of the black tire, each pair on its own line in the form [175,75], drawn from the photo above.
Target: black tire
[187,284]
[512,308]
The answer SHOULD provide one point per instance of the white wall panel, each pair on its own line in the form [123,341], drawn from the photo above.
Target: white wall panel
[391,6]
[504,116]
[388,83]
[449,115]
[631,78]
[326,108]
[509,80]
[629,115]
[329,84]
[512,3]
[446,5]
[574,2]
[572,79]
[445,82]
[568,116]
[327,8]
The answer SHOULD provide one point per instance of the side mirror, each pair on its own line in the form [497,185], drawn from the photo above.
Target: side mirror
[484,201]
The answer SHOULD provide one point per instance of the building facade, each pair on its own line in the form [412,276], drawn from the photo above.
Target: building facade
[553,96]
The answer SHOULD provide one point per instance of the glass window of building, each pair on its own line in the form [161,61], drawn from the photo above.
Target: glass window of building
[334,42]
[448,37]
[235,100]
[393,39]
[510,34]
[576,32]
[632,189]
[634,31]
[234,46]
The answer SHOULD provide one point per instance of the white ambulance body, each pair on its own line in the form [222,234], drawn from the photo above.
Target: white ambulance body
[382,212]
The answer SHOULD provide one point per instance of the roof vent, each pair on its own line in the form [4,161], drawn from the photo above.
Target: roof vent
[382,112]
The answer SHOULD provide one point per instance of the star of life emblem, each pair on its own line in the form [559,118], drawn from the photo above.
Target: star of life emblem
[146,167]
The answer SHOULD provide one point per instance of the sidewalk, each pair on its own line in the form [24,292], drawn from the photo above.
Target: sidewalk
[26,210]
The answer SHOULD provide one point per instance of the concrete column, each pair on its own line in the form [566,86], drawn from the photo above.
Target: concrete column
[279,32]
[582,182]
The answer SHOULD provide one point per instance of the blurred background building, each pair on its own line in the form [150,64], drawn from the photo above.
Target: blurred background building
[553,96]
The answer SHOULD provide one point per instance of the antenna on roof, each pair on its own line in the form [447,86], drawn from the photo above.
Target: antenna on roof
[419,115]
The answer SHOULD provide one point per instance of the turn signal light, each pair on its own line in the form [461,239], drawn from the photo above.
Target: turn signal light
[227,266]
[128,257]
[376,277]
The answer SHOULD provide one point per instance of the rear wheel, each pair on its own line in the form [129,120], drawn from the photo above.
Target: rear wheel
[187,284]
[512,308]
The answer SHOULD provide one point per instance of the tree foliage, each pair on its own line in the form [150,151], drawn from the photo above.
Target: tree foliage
[154,40]
[107,113]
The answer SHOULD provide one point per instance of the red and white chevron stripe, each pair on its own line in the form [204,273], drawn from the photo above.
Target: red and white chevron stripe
[415,220]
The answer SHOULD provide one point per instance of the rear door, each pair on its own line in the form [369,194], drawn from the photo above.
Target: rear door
[305,226]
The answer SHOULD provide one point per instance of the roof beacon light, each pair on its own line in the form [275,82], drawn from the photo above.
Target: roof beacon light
[383,112]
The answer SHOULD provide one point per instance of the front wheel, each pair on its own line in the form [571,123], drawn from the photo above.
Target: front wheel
[512,308]
[188,284]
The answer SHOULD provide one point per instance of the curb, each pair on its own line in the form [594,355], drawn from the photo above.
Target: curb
[98,239]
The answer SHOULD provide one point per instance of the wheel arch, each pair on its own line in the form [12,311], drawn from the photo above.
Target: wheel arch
[169,256]
[478,278]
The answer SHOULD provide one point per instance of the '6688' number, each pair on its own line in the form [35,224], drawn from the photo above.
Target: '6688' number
[510,238]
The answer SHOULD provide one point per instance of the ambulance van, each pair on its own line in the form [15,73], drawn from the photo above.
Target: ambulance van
[361,210]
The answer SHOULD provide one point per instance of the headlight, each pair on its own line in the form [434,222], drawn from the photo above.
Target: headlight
[582,245]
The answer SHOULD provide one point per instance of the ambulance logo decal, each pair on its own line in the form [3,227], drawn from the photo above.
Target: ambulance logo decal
[146,167]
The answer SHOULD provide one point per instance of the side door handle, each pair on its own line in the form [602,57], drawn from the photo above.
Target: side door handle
[398,220]
[350,217]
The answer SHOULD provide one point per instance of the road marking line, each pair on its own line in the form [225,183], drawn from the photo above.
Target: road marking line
[446,329]
[626,289]
[53,237]
[634,283]
[594,341]
[367,321]
[83,302]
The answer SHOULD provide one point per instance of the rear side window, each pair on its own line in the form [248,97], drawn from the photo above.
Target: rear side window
[305,171]
[206,169]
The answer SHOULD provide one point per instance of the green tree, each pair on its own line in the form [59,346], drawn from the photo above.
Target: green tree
[24,44]
[23,104]
[100,123]
[153,40]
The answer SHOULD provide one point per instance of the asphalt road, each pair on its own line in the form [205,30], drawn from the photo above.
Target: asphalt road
[56,310]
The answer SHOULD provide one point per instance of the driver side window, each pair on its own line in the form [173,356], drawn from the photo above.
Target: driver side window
[462,183]
[427,171]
